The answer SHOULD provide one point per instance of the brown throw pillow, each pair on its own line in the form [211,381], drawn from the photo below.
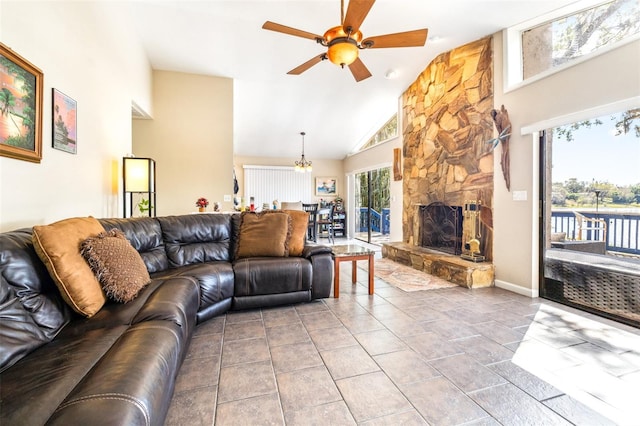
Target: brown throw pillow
[118,266]
[264,234]
[299,225]
[58,246]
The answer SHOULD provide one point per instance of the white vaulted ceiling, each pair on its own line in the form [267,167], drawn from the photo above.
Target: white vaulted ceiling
[225,38]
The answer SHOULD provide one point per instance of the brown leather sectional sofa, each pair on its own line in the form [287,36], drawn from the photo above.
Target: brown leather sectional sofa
[118,367]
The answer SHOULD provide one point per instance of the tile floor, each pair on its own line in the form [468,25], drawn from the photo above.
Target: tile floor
[439,357]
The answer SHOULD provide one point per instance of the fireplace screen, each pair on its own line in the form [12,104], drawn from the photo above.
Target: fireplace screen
[441,227]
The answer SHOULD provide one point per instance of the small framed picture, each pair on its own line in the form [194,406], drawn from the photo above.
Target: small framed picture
[64,111]
[326,186]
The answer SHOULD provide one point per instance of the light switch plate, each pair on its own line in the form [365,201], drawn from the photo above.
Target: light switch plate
[227,197]
[519,195]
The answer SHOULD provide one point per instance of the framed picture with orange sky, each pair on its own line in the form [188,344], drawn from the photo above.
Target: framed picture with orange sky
[20,107]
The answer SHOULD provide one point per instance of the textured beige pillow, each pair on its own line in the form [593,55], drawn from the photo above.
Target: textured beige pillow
[58,246]
[117,265]
[299,225]
[264,234]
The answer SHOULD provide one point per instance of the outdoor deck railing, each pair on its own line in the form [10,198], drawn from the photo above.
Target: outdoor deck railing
[622,234]
[379,221]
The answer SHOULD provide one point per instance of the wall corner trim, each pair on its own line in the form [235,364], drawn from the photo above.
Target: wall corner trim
[529,292]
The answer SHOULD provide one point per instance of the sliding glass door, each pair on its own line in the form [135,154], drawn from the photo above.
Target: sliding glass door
[590,221]
[372,205]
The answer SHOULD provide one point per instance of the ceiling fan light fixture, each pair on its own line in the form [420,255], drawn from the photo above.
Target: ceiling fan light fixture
[343,46]
[343,53]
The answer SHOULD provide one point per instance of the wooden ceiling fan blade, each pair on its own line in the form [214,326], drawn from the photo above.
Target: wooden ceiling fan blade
[359,70]
[272,26]
[311,62]
[413,38]
[356,12]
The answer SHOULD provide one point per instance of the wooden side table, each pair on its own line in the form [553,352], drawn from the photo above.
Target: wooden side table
[353,253]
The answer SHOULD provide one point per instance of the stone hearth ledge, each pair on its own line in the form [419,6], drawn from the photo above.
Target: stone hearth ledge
[442,265]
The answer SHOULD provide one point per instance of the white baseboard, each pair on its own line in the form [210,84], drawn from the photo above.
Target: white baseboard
[529,292]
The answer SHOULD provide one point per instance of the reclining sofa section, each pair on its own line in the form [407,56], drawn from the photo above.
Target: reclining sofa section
[120,365]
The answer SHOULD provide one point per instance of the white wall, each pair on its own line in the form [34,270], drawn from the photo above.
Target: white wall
[605,79]
[81,54]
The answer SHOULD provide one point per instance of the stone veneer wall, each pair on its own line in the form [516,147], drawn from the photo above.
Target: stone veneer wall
[447,123]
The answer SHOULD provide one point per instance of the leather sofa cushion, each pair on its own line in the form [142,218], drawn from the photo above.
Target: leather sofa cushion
[268,275]
[264,234]
[118,266]
[58,246]
[31,307]
[145,235]
[196,238]
[298,236]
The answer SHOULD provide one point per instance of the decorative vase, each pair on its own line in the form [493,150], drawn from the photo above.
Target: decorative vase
[201,209]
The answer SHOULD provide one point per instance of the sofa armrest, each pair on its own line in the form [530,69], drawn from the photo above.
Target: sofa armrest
[311,249]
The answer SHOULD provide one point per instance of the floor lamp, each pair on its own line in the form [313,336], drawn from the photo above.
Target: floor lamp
[139,177]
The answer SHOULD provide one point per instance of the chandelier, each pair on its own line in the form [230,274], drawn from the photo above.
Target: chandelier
[303,165]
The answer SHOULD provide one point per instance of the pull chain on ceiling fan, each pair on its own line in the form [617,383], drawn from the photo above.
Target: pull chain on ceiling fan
[344,41]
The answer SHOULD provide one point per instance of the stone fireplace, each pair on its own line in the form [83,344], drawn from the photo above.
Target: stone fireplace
[446,118]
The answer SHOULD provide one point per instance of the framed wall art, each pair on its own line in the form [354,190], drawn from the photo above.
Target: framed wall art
[20,107]
[326,186]
[64,110]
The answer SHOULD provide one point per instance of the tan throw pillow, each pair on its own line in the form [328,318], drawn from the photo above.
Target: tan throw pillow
[58,246]
[264,234]
[117,265]
[299,225]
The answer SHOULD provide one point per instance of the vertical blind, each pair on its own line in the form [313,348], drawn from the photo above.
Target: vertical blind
[268,183]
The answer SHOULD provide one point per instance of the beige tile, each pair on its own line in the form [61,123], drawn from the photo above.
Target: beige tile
[212,326]
[405,367]
[275,317]
[372,395]
[361,323]
[234,317]
[205,345]
[306,388]
[380,341]
[244,330]
[333,413]
[332,338]
[466,373]
[260,410]
[510,405]
[287,334]
[408,418]
[311,307]
[246,381]
[198,372]
[318,320]
[442,403]
[432,346]
[296,356]
[248,350]
[193,407]
[348,361]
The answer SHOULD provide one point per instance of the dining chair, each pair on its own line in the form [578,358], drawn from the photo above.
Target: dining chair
[312,209]
[324,222]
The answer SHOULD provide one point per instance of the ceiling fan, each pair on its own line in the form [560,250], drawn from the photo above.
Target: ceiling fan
[345,40]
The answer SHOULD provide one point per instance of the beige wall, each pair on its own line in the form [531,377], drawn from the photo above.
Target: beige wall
[191,139]
[88,52]
[605,79]
[320,168]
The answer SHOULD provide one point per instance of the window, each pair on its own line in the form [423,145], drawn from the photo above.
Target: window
[386,132]
[551,43]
